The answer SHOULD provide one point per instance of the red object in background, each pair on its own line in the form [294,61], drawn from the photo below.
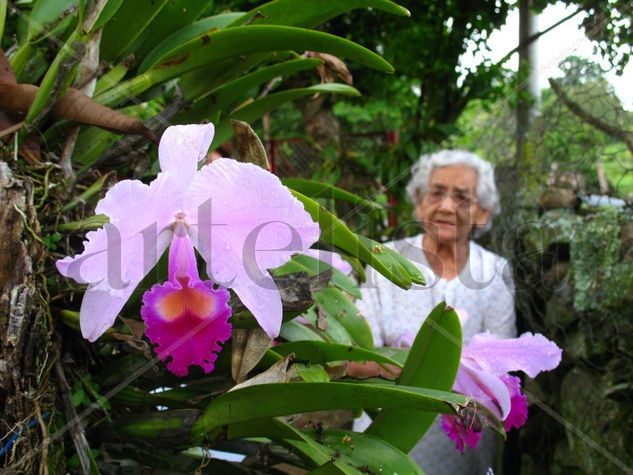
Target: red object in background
[392,137]
[392,219]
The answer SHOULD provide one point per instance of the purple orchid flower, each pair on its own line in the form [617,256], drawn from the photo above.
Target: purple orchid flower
[482,374]
[239,217]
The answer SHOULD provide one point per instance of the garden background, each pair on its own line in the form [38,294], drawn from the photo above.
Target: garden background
[344,97]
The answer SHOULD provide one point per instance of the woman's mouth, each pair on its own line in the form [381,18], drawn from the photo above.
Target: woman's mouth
[444,223]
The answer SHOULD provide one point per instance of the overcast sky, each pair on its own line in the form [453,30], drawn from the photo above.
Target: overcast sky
[566,39]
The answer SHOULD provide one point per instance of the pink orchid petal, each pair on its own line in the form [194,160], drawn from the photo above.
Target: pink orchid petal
[493,386]
[456,431]
[245,222]
[519,411]
[99,310]
[113,275]
[187,323]
[182,147]
[530,353]
[265,305]
[133,206]
[331,258]
[182,257]
[138,216]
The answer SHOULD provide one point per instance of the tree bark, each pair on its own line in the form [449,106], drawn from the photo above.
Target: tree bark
[26,397]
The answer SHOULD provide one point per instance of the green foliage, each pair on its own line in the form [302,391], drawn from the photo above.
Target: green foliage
[195,44]
[602,280]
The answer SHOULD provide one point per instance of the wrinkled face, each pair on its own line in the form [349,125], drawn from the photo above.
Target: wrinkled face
[449,209]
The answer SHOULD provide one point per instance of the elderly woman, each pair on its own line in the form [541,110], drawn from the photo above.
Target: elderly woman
[455,197]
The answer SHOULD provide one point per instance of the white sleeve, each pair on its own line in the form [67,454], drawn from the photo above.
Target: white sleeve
[371,306]
[500,318]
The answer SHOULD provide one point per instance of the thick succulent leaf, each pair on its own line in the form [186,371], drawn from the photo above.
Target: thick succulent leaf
[301,263]
[394,260]
[107,13]
[432,363]
[236,42]
[279,431]
[295,331]
[341,309]
[111,78]
[349,450]
[365,452]
[227,95]
[321,352]
[316,189]
[187,37]
[336,233]
[126,25]
[176,14]
[46,15]
[397,354]
[311,14]
[233,42]
[312,373]
[314,454]
[271,400]
[328,326]
[58,78]
[334,467]
[3,16]
[256,109]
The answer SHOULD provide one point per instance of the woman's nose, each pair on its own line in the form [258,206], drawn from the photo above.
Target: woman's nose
[447,203]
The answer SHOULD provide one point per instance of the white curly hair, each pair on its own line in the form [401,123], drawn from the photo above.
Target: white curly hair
[487,194]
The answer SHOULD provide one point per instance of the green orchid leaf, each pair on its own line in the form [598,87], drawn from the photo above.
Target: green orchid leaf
[271,400]
[256,109]
[341,309]
[228,95]
[175,15]
[339,279]
[285,12]
[327,326]
[336,233]
[313,373]
[58,78]
[230,43]
[395,260]
[126,25]
[186,37]
[315,189]
[107,13]
[365,452]
[295,331]
[432,363]
[111,78]
[46,17]
[321,353]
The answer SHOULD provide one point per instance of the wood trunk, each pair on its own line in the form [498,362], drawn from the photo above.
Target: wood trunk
[27,396]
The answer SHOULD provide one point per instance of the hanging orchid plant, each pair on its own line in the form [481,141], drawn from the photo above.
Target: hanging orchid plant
[239,217]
